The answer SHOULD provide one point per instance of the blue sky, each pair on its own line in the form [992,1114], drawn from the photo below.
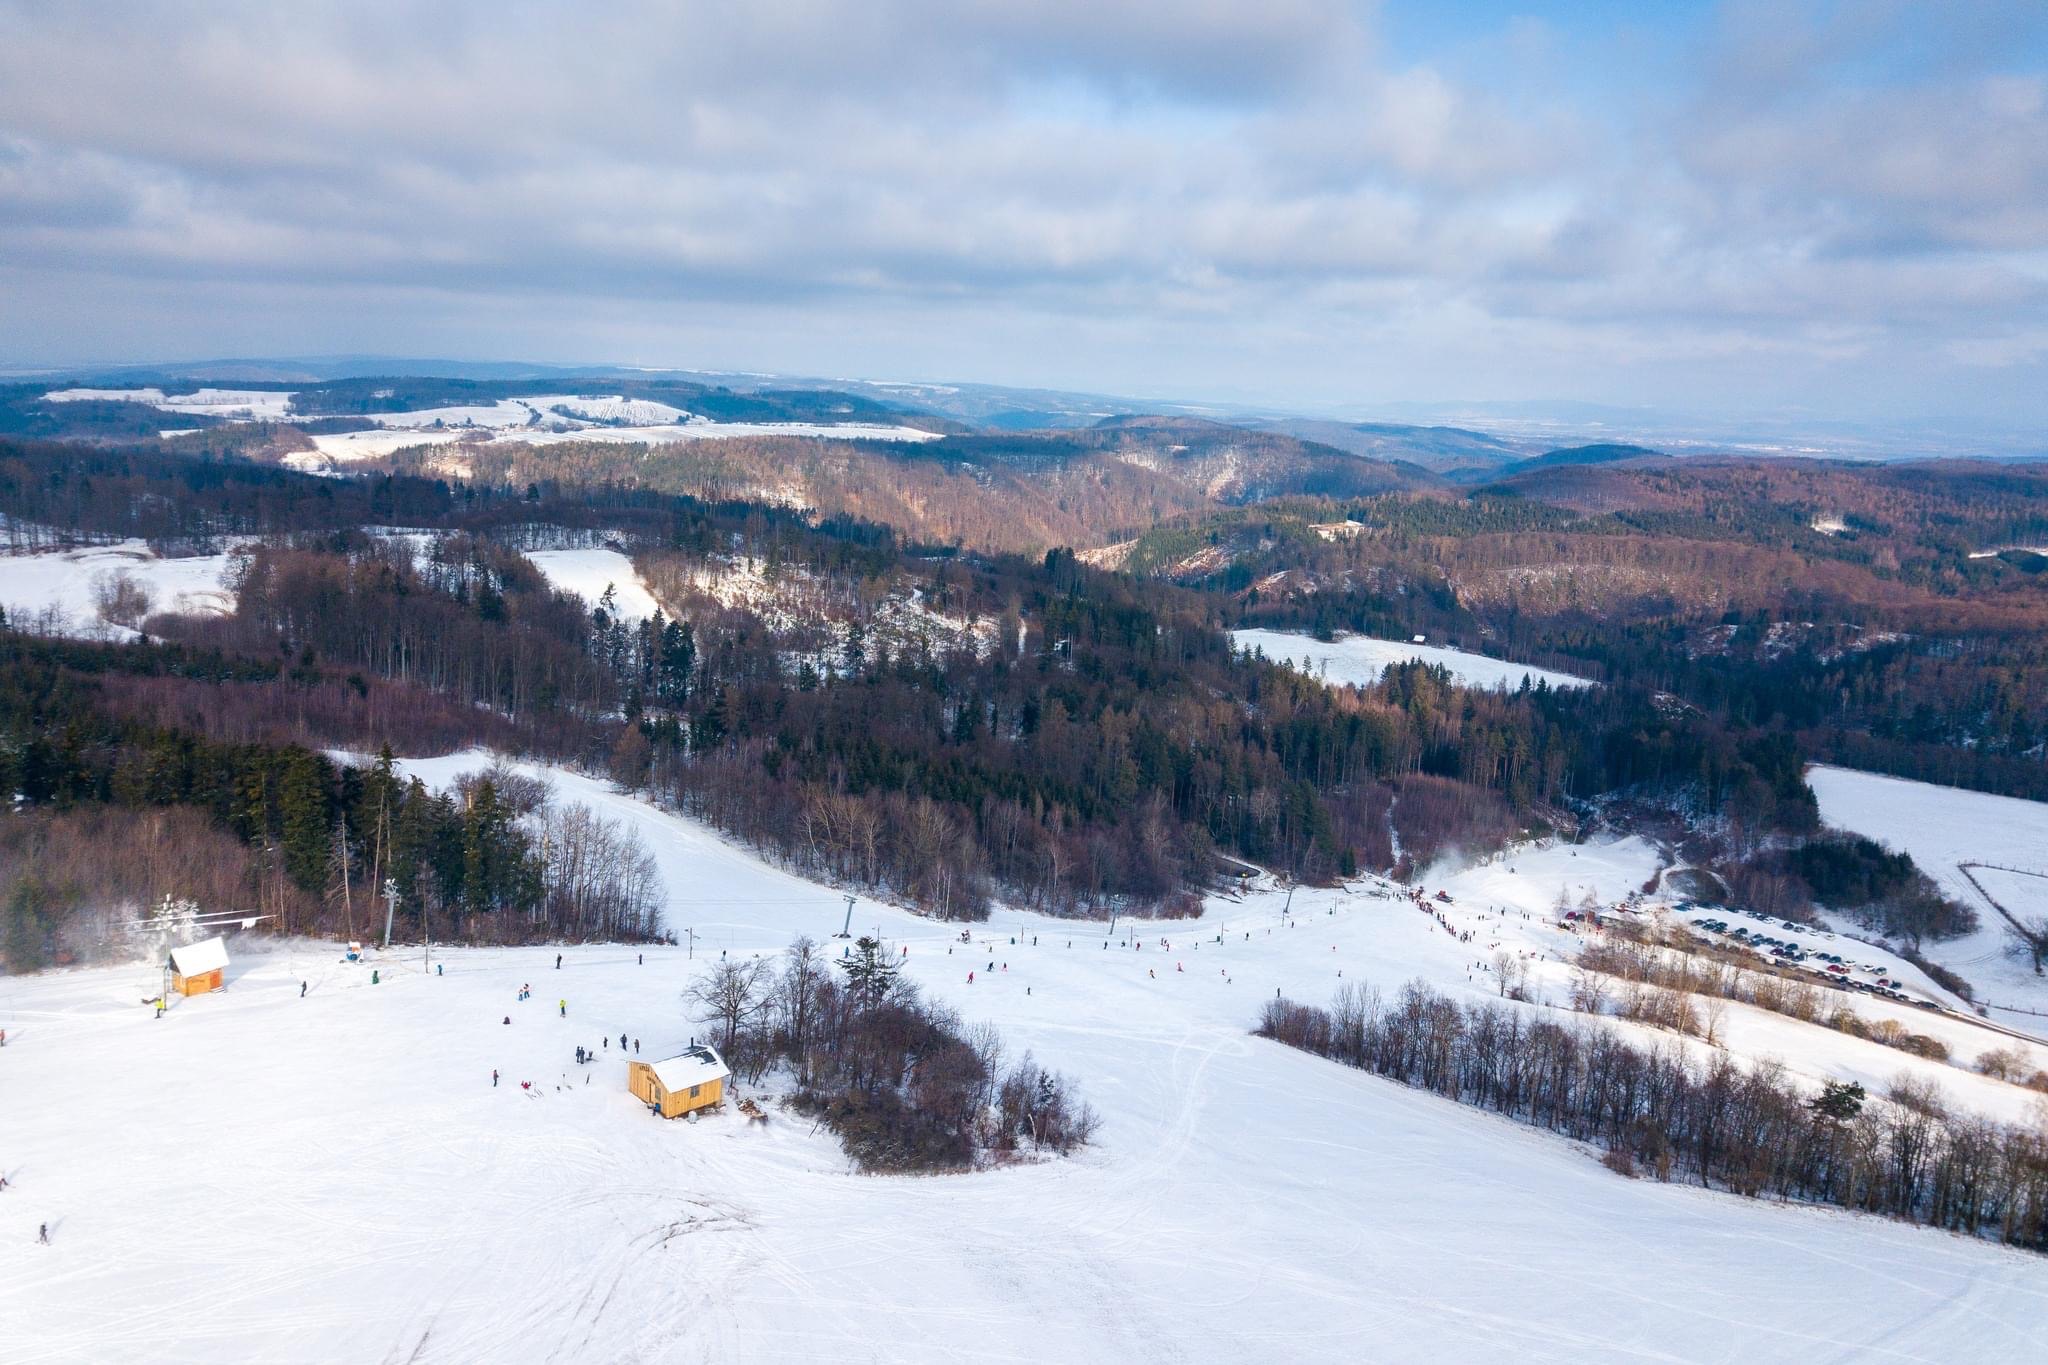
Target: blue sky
[1836,209]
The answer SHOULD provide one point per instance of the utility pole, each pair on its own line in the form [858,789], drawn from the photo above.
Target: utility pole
[692,932]
[846,929]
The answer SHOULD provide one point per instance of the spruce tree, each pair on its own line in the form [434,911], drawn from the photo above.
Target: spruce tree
[870,971]
[302,807]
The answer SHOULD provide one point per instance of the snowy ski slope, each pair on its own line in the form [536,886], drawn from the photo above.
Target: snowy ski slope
[334,1179]
[1361,659]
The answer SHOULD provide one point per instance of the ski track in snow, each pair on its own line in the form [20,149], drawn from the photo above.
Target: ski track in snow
[334,1179]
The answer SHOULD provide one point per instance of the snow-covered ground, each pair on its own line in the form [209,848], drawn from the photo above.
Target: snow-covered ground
[32,584]
[1361,659]
[587,573]
[336,1179]
[791,598]
[341,448]
[534,419]
[1944,828]
[542,409]
[240,403]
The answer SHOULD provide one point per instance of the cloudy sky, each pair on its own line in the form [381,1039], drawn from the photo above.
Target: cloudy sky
[1832,208]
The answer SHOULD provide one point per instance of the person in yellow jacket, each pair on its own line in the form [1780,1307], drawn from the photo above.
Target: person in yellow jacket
[563,1006]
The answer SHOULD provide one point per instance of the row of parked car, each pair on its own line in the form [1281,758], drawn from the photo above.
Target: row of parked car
[1830,964]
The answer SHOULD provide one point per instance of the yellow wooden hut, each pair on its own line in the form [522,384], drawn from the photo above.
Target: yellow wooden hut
[199,967]
[691,1080]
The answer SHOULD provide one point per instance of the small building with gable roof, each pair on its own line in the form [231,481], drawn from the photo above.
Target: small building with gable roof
[199,967]
[691,1080]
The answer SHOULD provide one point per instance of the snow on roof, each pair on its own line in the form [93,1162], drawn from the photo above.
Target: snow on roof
[196,958]
[697,1066]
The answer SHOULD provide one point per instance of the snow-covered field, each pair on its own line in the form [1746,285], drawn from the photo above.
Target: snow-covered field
[587,573]
[1361,659]
[542,409]
[340,448]
[258,1176]
[1945,828]
[31,584]
[536,419]
[240,403]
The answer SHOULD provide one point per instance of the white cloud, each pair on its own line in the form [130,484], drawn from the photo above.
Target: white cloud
[1166,196]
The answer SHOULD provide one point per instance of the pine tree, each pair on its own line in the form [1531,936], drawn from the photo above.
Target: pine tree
[23,934]
[678,657]
[302,807]
[1837,1102]
[870,971]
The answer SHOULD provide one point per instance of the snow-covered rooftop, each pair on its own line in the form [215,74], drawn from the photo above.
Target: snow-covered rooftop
[696,1066]
[196,958]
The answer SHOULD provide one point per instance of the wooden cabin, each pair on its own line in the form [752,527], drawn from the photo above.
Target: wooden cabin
[199,967]
[693,1079]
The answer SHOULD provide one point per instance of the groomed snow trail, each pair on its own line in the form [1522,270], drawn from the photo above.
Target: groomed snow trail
[258,1176]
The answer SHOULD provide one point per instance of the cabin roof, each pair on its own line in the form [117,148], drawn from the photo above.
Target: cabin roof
[694,1066]
[196,958]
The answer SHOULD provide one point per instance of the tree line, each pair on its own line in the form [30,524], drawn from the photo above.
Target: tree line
[324,847]
[1658,1110]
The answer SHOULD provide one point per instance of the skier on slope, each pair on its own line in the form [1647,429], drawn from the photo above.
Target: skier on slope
[563,1006]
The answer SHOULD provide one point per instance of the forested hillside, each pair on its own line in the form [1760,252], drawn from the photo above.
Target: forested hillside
[943,727]
[1884,616]
[1025,492]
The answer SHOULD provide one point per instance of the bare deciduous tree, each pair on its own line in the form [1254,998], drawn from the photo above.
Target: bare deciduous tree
[731,994]
[120,598]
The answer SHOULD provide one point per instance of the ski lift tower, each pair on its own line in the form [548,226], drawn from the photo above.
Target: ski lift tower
[846,929]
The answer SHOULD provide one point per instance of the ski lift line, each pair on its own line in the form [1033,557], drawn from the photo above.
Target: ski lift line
[215,921]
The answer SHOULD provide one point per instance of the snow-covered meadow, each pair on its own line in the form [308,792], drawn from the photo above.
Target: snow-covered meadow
[1948,832]
[588,573]
[335,1178]
[534,419]
[1361,659]
[244,404]
[56,588]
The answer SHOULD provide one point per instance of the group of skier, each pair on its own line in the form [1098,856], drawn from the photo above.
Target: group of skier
[585,1055]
